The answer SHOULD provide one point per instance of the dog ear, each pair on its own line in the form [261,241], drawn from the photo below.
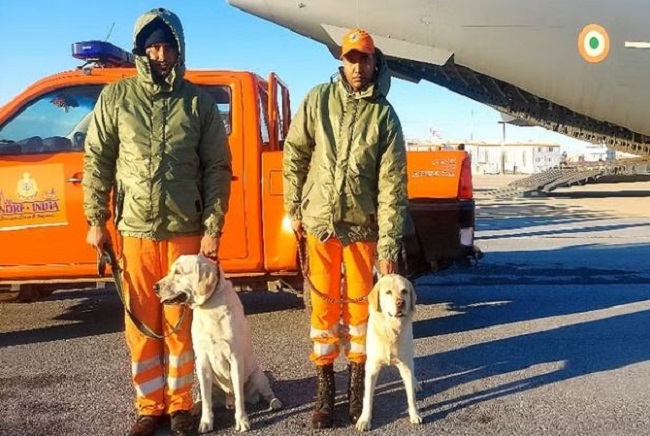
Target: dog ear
[373,298]
[413,296]
[207,276]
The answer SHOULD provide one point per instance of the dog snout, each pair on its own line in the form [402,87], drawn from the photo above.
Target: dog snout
[156,288]
[401,304]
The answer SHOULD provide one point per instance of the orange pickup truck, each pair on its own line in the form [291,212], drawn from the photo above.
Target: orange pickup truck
[42,226]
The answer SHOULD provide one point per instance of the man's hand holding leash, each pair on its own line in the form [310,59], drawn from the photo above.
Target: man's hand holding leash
[387,267]
[210,247]
[97,237]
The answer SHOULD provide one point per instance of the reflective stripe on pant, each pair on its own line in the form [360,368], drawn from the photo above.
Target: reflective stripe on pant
[162,369]
[325,260]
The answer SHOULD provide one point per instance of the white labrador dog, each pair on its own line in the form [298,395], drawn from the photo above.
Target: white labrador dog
[221,339]
[389,341]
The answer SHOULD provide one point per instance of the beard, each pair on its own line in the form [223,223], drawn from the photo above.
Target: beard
[161,70]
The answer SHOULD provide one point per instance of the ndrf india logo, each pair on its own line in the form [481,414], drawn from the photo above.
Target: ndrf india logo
[26,188]
[593,43]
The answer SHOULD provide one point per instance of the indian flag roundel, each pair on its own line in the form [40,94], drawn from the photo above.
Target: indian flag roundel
[593,43]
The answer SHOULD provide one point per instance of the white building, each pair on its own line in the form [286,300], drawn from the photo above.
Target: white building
[599,153]
[509,158]
[513,158]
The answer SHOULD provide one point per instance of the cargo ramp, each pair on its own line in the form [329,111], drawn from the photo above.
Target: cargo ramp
[620,171]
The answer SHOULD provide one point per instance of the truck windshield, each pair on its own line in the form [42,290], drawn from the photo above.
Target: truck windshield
[53,122]
[57,121]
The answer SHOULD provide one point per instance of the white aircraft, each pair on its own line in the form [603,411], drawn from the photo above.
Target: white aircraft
[577,67]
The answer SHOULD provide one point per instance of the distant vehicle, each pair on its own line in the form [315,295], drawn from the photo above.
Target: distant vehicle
[576,67]
[42,132]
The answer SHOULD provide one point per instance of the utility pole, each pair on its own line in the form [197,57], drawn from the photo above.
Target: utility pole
[503,147]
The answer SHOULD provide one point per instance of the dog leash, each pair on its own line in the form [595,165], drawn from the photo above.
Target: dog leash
[304,267]
[108,256]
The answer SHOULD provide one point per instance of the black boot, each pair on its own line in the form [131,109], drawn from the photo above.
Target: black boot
[323,415]
[355,390]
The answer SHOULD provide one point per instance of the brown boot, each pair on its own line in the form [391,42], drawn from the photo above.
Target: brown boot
[145,425]
[323,414]
[355,390]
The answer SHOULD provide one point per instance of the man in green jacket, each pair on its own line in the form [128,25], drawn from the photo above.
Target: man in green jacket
[158,143]
[345,191]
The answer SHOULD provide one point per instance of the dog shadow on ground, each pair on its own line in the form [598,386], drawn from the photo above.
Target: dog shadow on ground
[89,313]
[298,398]
[472,374]
[263,301]
[556,355]
[295,398]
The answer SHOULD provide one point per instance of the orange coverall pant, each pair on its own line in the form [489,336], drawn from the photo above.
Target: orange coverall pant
[336,326]
[162,369]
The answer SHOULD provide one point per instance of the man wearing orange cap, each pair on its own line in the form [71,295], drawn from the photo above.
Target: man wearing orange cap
[344,172]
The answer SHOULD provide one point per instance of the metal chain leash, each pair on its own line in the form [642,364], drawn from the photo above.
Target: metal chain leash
[304,267]
[108,256]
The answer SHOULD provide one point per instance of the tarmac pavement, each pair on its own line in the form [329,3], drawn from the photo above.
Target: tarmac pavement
[546,336]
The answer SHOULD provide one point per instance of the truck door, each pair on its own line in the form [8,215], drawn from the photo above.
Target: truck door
[42,225]
[279,241]
[235,244]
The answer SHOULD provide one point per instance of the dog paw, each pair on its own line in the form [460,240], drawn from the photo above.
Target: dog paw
[242,423]
[205,427]
[415,418]
[363,423]
[275,404]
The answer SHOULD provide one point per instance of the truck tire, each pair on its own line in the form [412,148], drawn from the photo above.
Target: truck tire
[32,292]
[411,262]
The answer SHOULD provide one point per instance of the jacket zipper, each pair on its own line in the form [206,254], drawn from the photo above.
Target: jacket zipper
[355,111]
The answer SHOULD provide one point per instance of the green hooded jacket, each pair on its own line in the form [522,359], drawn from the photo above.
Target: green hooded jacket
[161,147]
[344,165]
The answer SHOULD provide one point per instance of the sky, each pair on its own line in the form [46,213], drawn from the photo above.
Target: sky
[37,36]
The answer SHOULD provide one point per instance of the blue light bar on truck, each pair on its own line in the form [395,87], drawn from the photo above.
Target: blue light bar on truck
[102,52]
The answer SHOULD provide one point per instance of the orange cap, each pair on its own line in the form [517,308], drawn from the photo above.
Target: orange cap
[359,40]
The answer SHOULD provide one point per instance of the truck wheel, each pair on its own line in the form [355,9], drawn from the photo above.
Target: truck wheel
[464,263]
[30,293]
